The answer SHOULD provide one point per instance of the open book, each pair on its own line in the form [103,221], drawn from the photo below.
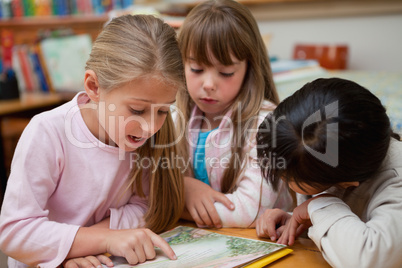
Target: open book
[196,247]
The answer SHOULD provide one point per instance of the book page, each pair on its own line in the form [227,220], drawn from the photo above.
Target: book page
[196,247]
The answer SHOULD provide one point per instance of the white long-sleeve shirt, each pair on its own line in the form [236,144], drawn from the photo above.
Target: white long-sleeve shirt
[363,227]
[252,190]
[62,177]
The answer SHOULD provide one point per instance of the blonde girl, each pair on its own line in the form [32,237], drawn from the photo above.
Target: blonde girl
[230,89]
[78,183]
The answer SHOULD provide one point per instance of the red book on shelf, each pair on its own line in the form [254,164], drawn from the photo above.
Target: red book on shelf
[17,8]
[80,7]
[26,68]
[85,6]
[7,43]
[333,57]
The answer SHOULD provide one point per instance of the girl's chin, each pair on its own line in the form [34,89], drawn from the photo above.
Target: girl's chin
[128,149]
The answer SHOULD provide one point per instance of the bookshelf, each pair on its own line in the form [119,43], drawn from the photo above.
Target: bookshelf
[25,29]
[277,10]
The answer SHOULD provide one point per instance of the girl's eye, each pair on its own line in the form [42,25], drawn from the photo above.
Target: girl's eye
[197,71]
[227,74]
[136,112]
[163,112]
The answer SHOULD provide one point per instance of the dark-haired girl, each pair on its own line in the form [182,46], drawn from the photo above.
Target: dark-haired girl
[336,143]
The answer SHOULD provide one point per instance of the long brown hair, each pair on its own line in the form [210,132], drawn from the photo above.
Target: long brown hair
[142,45]
[224,28]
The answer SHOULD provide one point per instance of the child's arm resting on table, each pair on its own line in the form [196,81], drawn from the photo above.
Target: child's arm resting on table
[252,196]
[238,209]
[276,223]
[200,199]
[346,240]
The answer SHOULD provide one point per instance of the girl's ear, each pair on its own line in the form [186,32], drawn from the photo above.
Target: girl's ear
[348,184]
[91,85]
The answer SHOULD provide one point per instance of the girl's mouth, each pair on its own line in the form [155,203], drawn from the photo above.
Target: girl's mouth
[208,100]
[136,140]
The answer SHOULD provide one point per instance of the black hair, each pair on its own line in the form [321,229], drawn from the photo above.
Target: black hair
[330,131]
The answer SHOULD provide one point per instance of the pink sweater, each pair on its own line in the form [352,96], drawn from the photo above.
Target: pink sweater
[246,197]
[63,177]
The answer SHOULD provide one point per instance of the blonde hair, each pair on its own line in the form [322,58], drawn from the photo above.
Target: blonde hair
[224,28]
[142,45]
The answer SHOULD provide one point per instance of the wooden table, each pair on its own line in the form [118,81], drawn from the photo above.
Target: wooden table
[305,252]
[28,104]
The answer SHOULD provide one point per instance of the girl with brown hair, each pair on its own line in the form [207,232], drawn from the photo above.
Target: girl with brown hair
[230,90]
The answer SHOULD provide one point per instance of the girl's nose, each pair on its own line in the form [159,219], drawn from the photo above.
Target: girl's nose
[209,82]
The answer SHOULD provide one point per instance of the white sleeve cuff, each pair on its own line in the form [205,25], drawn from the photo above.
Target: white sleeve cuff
[322,202]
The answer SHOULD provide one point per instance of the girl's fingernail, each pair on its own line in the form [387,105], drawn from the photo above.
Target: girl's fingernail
[273,238]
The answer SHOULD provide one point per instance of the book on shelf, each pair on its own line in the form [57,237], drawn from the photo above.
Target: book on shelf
[7,43]
[6,9]
[195,247]
[28,8]
[43,7]
[43,66]
[16,66]
[289,70]
[17,8]
[54,63]
[84,7]
[38,69]
[24,68]
[65,59]
[29,69]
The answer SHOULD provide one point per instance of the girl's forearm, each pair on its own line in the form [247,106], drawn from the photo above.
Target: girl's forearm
[89,241]
[102,224]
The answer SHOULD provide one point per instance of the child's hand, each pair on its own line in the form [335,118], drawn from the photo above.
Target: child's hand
[89,261]
[296,225]
[200,199]
[272,223]
[137,245]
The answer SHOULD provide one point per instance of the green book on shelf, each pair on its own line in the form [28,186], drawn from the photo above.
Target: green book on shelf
[65,59]
[29,7]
